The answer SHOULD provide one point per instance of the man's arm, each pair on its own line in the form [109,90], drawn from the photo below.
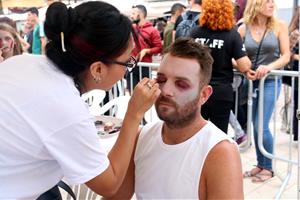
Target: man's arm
[43,45]
[42,38]
[156,42]
[222,173]
[156,45]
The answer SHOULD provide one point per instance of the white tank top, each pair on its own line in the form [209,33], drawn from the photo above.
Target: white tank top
[172,171]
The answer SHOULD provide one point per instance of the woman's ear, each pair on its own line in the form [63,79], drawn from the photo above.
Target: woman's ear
[98,70]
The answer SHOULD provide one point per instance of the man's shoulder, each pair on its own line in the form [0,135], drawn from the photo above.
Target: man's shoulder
[191,12]
[215,134]
[36,27]
[149,27]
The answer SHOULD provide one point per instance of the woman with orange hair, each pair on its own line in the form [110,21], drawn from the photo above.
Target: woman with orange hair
[267,44]
[216,30]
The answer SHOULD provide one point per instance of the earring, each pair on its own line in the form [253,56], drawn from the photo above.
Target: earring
[97,79]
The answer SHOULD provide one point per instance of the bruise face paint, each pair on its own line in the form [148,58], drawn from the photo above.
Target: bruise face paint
[6,42]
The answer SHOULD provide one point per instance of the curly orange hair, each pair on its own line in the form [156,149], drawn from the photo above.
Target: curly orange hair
[217,14]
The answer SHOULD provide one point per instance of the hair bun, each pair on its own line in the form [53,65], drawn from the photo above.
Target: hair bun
[59,19]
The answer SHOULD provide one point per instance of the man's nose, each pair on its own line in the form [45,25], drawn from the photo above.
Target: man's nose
[167,89]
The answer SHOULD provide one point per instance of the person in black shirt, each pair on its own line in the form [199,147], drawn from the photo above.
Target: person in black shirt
[216,30]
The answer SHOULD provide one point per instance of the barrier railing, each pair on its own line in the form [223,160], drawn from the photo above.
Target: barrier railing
[289,161]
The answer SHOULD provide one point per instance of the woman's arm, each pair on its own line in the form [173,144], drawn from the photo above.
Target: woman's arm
[283,38]
[295,56]
[242,31]
[108,182]
[243,64]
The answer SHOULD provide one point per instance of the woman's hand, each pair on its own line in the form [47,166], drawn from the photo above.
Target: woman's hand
[251,74]
[261,71]
[144,95]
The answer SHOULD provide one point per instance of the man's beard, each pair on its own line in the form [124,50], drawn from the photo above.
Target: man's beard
[180,116]
[136,21]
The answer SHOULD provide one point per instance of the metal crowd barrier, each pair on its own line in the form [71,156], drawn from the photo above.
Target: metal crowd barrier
[249,110]
[289,161]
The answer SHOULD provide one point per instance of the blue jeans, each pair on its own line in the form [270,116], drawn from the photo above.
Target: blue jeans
[269,103]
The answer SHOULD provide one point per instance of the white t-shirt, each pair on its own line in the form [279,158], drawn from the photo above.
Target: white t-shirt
[165,171]
[46,131]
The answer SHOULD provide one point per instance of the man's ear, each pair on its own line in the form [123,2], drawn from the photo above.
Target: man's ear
[205,93]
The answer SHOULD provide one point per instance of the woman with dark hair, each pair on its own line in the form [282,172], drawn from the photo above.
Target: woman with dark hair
[216,30]
[46,131]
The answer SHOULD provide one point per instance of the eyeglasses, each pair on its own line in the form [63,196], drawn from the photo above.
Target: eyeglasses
[130,64]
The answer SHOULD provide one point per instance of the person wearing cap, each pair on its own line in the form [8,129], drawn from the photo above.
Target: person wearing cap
[176,10]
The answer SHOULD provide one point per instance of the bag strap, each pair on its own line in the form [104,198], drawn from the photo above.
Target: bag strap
[259,47]
[67,188]
[141,34]
[184,16]
[195,19]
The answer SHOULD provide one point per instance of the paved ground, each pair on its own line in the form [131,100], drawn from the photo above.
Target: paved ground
[269,189]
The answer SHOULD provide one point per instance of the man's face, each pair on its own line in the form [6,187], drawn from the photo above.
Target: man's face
[135,15]
[31,20]
[179,83]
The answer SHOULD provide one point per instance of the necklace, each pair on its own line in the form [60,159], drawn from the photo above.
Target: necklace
[258,31]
